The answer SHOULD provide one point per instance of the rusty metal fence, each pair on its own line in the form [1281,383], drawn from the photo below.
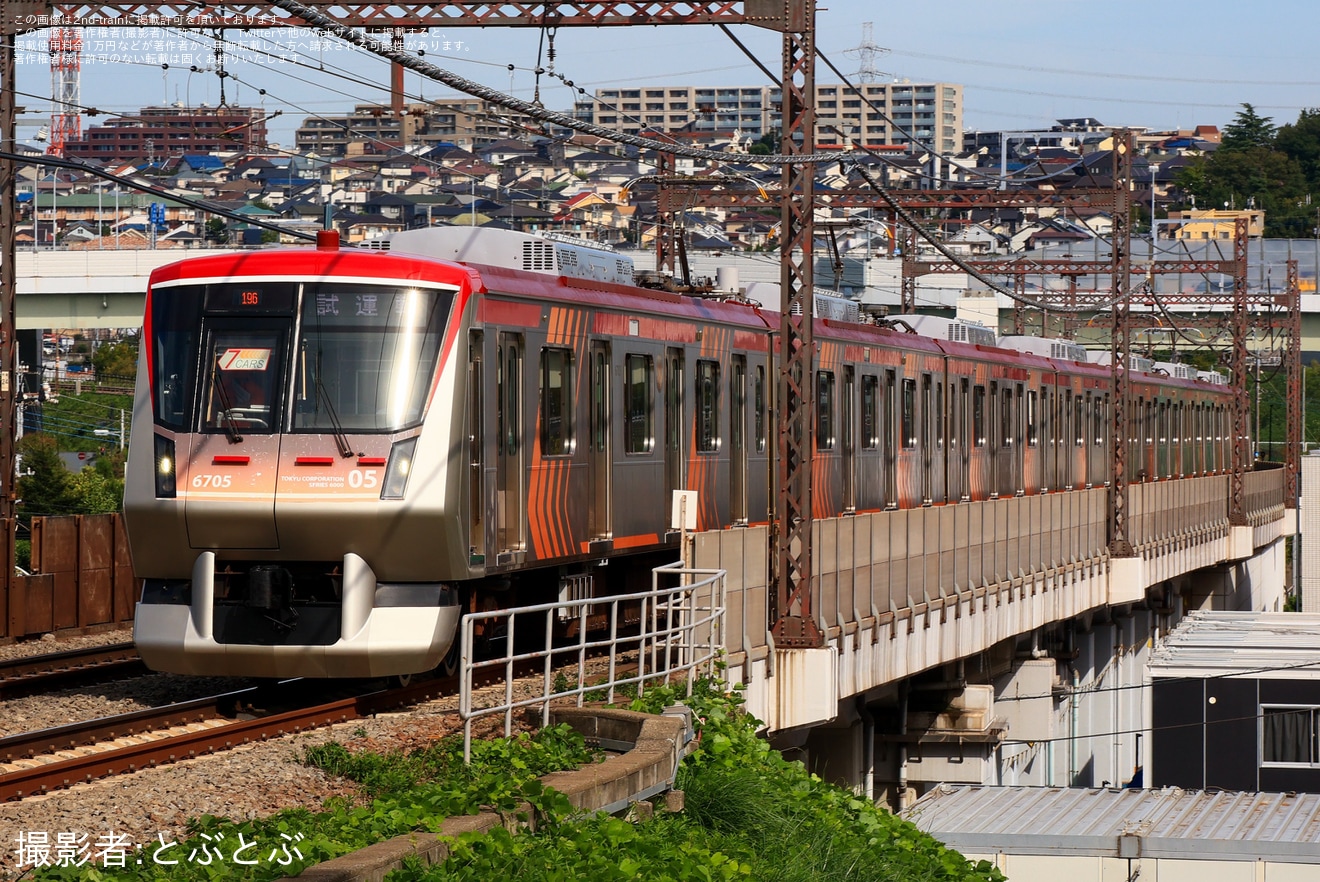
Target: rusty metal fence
[82,577]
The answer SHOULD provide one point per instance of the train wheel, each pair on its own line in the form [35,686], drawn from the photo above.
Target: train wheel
[448,666]
[398,681]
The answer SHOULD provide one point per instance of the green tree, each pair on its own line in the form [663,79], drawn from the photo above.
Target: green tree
[766,145]
[92,492]
[217,231]
[43,486]
[1301,142]
[117,360]
[1248,129]
[1254,177]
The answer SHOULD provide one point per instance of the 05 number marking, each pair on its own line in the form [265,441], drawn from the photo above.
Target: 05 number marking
[359,479]
[213,481]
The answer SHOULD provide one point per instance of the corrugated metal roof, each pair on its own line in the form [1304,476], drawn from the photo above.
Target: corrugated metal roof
[1170,823]
[1260,645]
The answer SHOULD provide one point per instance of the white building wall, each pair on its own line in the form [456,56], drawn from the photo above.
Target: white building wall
[1103,868]
[1310,539]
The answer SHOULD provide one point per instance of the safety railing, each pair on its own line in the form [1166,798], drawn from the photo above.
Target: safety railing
[630,640]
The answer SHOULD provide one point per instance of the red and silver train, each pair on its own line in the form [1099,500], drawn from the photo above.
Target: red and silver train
[335,452]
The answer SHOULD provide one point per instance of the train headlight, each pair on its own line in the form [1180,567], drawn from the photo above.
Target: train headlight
[398,469]
[165,467]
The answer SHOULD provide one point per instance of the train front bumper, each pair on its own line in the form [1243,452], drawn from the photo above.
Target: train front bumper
[372,640]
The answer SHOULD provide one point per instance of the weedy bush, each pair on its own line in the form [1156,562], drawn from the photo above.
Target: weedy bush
[750,814]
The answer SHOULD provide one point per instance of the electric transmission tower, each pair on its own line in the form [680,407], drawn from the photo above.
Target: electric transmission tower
[65,72]
[867,52]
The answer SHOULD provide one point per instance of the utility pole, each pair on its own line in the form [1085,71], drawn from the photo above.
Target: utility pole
[793,623]
[1120,539]
[8,290]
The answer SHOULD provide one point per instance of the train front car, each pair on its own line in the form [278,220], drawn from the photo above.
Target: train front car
[291,492]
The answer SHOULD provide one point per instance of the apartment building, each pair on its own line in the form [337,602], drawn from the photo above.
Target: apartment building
[155,133]
[928,115]
[374,128]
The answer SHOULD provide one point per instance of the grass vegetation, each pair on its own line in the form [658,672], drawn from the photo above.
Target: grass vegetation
[750,815]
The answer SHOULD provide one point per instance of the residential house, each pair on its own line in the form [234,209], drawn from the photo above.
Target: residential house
[356,228]
[592,216]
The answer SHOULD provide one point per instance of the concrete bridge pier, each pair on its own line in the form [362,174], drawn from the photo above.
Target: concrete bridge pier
[1063,704]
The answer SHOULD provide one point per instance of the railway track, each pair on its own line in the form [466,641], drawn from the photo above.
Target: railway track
[57,670]
[51,759]
[34,763]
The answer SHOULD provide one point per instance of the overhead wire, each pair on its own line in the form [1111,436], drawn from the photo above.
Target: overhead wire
[316,18]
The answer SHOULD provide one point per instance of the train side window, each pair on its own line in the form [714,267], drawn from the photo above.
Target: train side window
[510,398]
[638,395]
[939,416]
[870,412]
[556,402]
[1079,419]
[708,406]
[759,417]
[926,416]
[1098,419]
[978,415]
[951,421]
[964,399]
[824,410]
[1032,439]
[909,426]
[1006,418]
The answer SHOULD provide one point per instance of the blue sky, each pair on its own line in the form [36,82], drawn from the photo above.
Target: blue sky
[1023,63]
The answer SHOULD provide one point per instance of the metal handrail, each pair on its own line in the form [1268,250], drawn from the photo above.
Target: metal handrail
[678,632]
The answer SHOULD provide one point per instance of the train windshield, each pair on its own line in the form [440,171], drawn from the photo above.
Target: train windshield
[363,359]
[366,356]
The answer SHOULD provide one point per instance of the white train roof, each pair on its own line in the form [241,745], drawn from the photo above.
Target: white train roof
[1050,347]
[1180,371]
[955,330]
[557,256]
[1136,363]
[825,304]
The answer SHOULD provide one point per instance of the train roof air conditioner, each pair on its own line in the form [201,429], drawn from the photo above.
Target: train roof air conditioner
[955,330]
[559,256]
[1177,371]
[1050,347]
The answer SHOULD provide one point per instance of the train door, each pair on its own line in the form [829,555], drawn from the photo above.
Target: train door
[738,440]
[1047,481]
[941,490]
[509,446]
[891,441]
[849,442]
[996,440]
[1019,441]
[1031,458]
[759,492]
[869,483]
[599,522]
[1088,416]
[952,449]
[476,450]
[1065,439]
[927,441]
[675,452]
[966,435]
